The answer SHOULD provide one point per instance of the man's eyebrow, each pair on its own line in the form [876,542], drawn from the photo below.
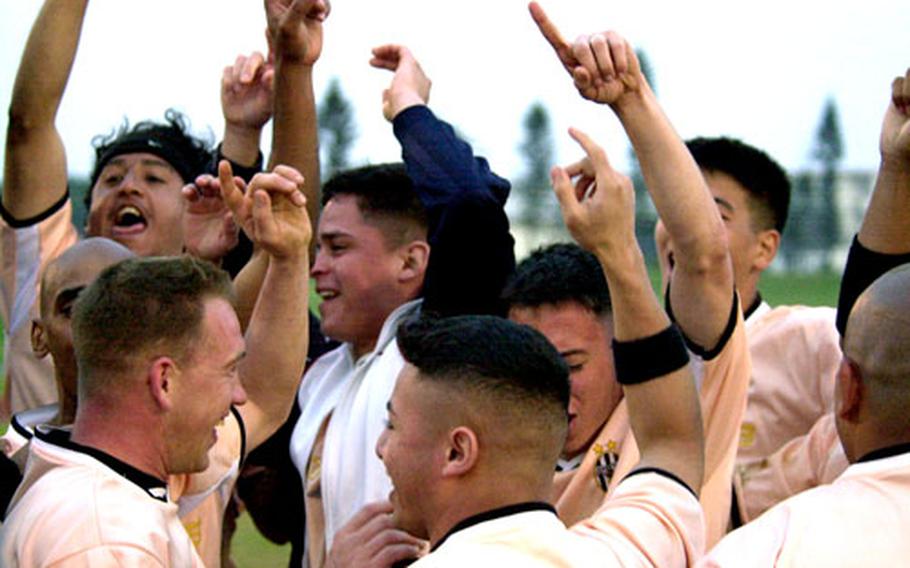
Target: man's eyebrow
[725,204]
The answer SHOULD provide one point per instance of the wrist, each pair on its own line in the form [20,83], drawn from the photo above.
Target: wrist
[241,143]
[405,101]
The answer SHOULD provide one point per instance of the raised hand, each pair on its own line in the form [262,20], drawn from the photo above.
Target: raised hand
[410,86]
[246,92]
[895,137]
[272,212]
[603,65]
[597,202]
[295,28]
[209,230]
[370,540]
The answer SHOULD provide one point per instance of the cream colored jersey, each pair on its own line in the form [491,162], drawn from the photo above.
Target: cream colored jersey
[579,492]
[862,519]
[74,509]
[651,521]
[795,354]
[802,463]
[26,249]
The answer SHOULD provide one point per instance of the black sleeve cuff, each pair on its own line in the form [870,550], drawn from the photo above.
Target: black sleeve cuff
[701,352]
[664,473]
[245,173]
[863,267]
[35,219]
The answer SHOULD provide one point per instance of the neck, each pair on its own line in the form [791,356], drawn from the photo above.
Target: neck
[115,432]
[467,501]
[67,400]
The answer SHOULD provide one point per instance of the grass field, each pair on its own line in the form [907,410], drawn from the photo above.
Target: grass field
[251,550]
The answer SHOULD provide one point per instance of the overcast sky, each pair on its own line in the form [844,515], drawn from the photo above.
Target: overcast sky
[760,71]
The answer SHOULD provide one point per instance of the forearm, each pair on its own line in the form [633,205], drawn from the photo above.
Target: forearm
[664,412]
[884,228]
[675,183]
[702,276]
[46,63]
[35,156]
[277,339]
[247,285]
[295,129]
[241,145]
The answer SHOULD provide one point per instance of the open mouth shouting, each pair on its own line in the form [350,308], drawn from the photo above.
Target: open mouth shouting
[128,220]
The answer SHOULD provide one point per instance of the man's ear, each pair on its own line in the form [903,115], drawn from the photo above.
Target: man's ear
[462,452]
[415,256]
[39,340]
[850,391]
[161,376]
[768,244]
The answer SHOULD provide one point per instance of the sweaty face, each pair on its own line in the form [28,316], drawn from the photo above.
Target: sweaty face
[356,274]
[584,341]
[408,448]
[205,388]
[137,202]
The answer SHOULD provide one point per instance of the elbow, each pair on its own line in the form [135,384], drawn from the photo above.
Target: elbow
[23,123]
[706,254]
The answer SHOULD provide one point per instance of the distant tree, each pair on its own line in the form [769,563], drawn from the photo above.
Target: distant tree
[534,185]
[336,129]
[799,234]
[645,214]
[78,187]
[828,151]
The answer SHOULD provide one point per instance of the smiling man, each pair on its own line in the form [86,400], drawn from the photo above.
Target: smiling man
[393,239]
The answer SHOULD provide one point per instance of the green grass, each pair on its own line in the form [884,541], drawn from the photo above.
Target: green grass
[250,549]
[819,289]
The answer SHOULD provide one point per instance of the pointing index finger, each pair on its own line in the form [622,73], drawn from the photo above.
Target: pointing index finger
[595,153]
[551,34]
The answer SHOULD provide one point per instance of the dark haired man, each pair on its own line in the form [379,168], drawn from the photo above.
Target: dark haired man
[795,349]
[161,358]
[702,299]
[374,267]
[861,518]
[561,292]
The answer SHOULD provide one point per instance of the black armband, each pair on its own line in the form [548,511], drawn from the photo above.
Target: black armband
[651,357]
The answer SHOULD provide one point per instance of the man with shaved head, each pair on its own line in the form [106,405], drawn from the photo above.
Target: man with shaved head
[862,518]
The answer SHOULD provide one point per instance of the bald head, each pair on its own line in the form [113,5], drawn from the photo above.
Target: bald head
[76,268]
[877,338]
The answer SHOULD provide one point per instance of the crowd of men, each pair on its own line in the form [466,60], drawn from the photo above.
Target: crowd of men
[449,406]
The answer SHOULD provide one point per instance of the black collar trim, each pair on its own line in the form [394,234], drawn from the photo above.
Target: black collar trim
[154,487]
[882,453]
[495,514]
[755,305]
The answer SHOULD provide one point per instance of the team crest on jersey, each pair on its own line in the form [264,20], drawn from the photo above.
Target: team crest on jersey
[605,465]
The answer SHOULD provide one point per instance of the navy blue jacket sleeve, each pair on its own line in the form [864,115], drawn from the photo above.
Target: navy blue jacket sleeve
[472,250]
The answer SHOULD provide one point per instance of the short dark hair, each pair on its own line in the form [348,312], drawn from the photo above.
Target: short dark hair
[763,179]
[138,305]
[384,192]
[561,272]
[509,364]
[171,141]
